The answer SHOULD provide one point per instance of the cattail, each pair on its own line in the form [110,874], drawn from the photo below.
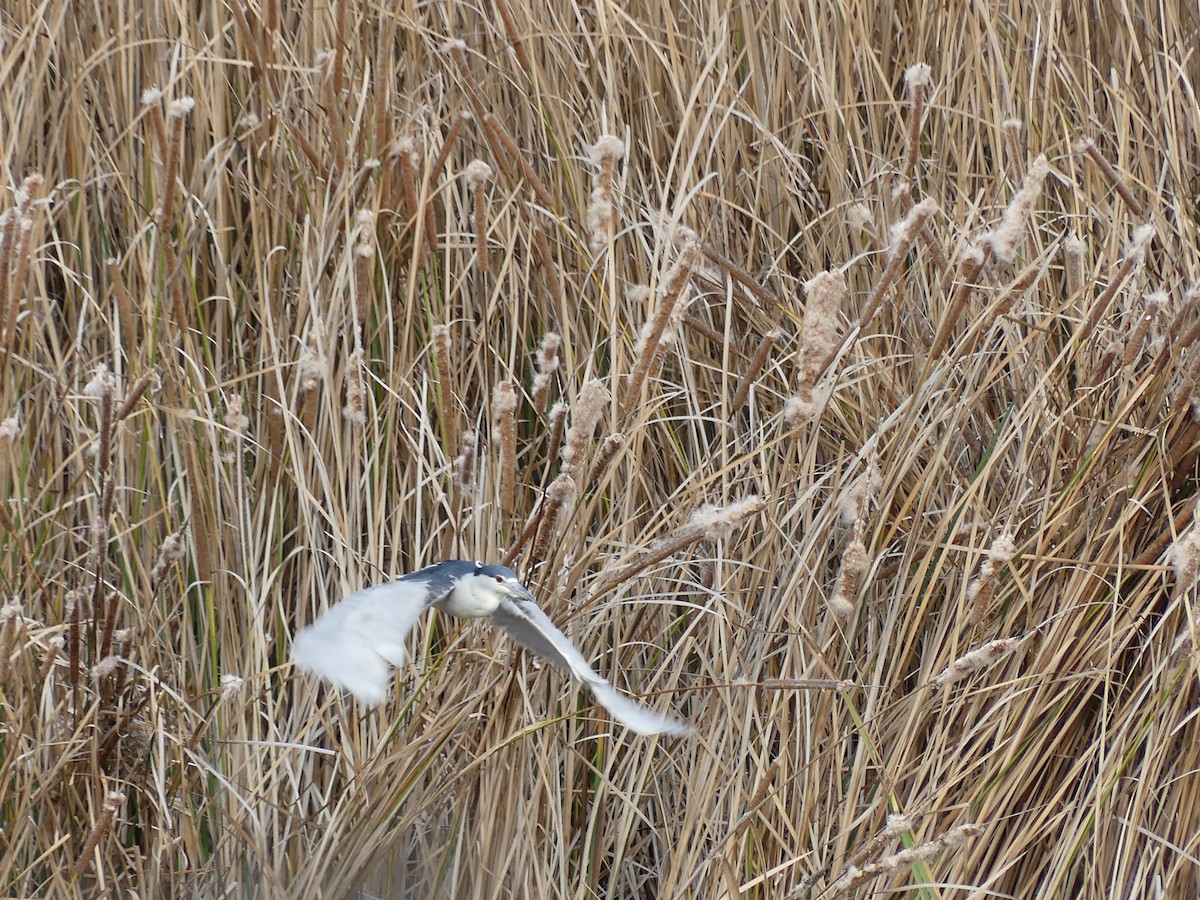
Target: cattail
[1073,250]
[9,429]
[896,825]
[53,648]
[510,31]
[231,686]
[903,234]
[860,218]
[72,613]
[981,658]
[110,623]
[172,551]
[673,283]
[152,98]
[441,356]
[974,259]
[1157,303]
[983,586]
[478,175]
[1135,256]
[354,410]
[136,393]
[1089,149]
[504,418]
[439,161]
[464,463]
[917,79]
[853,875]
[313,364]
[496,131]
[364,265]
[824,295]
[709,522]
[1003,239]
[547,365]
[589,408]
[604,155]
[769,340]
[10,622]
[404,152]
[735,272]
[560,499]
[112,802]
[854,565]
[339,48]
[609,448]
[1011,129]
[177,111]
[1184,556]
[558,424]
[545,262]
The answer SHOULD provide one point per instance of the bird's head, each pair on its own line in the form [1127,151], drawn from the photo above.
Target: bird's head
[496,582]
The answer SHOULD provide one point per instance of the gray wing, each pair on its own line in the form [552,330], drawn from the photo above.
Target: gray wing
[356,642]
[526,624]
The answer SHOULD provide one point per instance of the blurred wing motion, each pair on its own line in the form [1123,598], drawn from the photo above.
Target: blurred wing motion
[356,643]
[529,626]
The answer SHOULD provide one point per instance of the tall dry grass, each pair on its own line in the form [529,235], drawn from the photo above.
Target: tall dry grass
[282,258]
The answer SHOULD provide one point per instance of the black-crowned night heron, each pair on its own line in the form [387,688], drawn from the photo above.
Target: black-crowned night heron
[356,643]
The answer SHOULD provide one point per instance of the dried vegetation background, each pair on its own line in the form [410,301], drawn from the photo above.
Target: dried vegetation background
[829,371]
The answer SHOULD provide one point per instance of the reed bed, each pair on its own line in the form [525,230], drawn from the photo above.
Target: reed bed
[830,374]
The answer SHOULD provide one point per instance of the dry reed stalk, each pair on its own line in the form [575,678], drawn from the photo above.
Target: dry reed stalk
[478,175]
[1089,149]
[742,277]
[1135,256]
[917,79]
[504,418]
[824,294]
[560,500]
[441,356]
[604,155]
[710,522]
[547,366]
[673,284]
[589,408]
[177,112]
[108,811]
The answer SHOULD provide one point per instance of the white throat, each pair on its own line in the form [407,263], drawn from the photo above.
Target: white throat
[474,597]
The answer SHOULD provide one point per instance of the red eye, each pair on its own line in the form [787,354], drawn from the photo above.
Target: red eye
[499,580]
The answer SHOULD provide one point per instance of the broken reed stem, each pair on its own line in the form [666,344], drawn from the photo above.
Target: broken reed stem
[1089,149]
[177,111]
[673,284]
[1135,255]
[917,79]
[560,500]
[478,175]
[495,130]
[504,416]
[108,811]
[742,277]
[510,31]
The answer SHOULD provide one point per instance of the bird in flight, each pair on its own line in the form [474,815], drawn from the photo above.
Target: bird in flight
[357,641]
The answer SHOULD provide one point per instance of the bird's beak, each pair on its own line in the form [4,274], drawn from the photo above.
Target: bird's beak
[516,589]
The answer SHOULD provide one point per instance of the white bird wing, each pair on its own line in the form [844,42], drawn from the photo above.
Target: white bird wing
[526,624]
[357,641]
